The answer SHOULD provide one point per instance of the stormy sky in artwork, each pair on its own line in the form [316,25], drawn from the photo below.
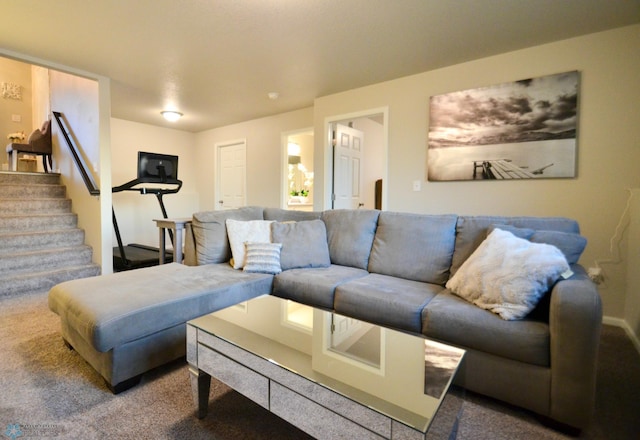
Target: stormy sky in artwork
[535,109]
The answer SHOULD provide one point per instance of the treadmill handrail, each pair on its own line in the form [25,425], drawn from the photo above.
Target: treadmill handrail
[129,186]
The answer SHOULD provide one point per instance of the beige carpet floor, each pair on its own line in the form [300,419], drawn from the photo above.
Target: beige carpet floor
[48,391]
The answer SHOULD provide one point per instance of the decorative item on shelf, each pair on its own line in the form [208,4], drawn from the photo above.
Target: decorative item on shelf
[16,137]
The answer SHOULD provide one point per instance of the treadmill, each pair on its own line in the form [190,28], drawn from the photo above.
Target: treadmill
[157,175]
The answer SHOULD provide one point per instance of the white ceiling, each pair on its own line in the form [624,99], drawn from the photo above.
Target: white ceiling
[216,60]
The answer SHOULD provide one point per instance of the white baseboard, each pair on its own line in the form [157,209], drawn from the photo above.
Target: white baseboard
[618,322]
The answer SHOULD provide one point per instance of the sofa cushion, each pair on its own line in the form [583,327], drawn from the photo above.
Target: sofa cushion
[210,232]
[413,246]
[450,318]
[314,286]
[304,244]
[385,300]
[283,215]
[472,230]
[110,310]
[508,275]
[263,258]
[350,235]
[241,232]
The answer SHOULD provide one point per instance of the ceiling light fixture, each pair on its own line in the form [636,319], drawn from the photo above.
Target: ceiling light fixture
[273,95]
[170,115]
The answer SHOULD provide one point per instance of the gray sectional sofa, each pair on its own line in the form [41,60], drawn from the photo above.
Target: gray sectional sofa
[389,268]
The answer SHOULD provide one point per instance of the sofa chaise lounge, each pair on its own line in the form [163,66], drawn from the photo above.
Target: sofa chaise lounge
[390,268]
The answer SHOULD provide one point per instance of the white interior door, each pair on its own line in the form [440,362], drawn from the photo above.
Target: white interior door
[347,161]
[232,172]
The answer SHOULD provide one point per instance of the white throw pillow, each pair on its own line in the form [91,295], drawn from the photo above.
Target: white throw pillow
[263,258]
[240,232]
[508,275]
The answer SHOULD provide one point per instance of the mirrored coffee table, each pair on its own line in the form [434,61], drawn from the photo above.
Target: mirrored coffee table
[331,376]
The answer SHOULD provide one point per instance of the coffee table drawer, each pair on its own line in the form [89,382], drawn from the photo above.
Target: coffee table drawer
[296,409]
[242,379]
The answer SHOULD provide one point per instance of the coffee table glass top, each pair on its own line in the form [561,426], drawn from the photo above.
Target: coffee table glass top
[403,376]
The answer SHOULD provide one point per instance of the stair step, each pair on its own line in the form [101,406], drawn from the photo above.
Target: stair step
[48,259]
[37,222]
[45,280]
[40,242]
[39,191]
[31,241]
[34,206]
[16,178]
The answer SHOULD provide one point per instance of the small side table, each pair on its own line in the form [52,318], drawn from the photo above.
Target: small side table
[177,225]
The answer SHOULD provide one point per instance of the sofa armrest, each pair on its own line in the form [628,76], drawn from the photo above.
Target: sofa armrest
[190,257]
[575,321]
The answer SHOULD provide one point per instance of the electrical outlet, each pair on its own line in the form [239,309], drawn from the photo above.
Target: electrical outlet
[596,274]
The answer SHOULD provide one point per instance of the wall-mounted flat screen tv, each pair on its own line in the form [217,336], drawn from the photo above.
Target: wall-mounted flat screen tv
[157,168]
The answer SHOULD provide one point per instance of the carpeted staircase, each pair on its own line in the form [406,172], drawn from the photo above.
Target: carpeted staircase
[40,243]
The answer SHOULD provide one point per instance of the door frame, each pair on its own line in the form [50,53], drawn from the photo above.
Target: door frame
[328,151]
[218,148]
[284,162]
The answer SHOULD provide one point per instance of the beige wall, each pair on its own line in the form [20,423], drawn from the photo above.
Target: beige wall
[264,156]
[17,73]
[41,102]
[608,149]
[135,212]
[79,100]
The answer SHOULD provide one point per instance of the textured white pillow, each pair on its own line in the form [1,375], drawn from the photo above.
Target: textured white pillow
[508,275]
[240,232]
[263,258]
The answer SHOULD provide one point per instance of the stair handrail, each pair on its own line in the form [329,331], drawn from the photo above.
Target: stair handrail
[80,164]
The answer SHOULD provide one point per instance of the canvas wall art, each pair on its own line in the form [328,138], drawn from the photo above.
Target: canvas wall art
[525,129]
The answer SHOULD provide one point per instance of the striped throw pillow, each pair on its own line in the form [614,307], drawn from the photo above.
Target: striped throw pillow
[263,257]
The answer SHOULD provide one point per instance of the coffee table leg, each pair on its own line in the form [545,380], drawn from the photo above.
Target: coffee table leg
[200,386]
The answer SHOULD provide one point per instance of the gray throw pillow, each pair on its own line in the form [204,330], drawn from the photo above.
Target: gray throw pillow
[525,233]
[572,245]
[304,244]
[263,258]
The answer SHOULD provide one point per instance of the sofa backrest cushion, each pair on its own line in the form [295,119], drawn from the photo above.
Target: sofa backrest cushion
[210,232]
[350,234]
[472,230]
[304,244]
[285,215]
[414,246]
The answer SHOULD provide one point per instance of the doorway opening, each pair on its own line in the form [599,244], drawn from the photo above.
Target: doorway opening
[297,166]
[357,179]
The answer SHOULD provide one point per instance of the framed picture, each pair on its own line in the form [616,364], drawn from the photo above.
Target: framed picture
[525,129]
